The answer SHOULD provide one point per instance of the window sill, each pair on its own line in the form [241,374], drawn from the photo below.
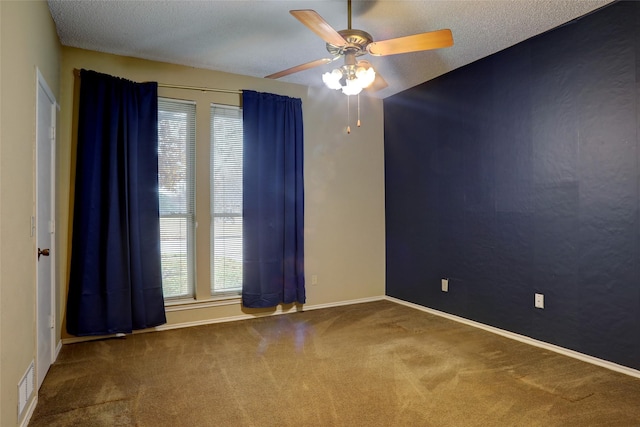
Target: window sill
[190,304]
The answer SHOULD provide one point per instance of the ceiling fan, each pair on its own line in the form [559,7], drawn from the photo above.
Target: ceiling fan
[349,44]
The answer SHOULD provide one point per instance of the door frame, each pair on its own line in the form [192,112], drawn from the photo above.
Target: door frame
[51,132]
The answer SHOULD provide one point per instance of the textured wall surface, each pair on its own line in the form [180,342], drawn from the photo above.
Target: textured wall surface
[520,174]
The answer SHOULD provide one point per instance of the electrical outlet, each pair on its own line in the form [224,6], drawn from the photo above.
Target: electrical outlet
[314,280]
[539,301]
[445,285]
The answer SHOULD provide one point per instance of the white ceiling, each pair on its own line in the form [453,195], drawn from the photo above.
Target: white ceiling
[260,37]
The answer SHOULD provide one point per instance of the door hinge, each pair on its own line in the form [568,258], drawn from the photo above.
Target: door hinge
[52,226]
[52,133]
[52,322]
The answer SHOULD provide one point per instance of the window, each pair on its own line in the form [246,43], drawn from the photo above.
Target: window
[176,168]
[177,188]
[226,199]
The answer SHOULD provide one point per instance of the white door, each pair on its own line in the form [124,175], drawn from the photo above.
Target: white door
[45,227]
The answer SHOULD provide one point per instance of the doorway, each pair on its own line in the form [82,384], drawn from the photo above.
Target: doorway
[44,224]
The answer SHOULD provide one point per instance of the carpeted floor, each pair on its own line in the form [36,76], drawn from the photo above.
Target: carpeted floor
[373,364]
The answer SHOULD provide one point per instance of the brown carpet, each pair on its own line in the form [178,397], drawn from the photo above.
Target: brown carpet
[373,364]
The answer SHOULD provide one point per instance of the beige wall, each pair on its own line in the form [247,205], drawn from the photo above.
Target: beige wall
[28,40]
[344,179]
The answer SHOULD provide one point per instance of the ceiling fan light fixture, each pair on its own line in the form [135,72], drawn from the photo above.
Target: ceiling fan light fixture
[350,44]
[353,43]
[349,78]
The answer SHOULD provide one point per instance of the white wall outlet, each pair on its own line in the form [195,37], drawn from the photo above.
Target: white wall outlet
[445,285]
[314,280]
[539,301]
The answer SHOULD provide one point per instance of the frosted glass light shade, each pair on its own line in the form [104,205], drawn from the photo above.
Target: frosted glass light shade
[354,81]
[332,79]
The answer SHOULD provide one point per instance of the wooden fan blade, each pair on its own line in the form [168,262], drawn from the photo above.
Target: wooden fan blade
[379,83]
[299,68]
[414,43]
[318,25]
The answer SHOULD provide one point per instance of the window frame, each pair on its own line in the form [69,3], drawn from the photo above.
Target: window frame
[213,215]
[190,191]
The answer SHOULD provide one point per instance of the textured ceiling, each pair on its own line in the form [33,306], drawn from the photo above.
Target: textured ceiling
[260,37]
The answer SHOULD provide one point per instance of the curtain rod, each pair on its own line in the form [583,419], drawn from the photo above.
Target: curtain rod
[203,89]
[76,73]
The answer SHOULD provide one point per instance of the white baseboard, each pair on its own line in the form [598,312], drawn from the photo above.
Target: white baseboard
[57,352]
[341,303]
[185,305]
[279,310]
[75,340]
[524,339]
[30,409]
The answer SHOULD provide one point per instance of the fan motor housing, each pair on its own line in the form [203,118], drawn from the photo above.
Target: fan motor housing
[357,41]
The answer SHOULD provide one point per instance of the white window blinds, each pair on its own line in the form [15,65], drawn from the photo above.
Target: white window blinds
[176,179]
[226,199]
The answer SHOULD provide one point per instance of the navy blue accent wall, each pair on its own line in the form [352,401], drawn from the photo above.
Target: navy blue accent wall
[520,174]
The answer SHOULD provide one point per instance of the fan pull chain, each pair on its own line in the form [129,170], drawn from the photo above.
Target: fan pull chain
[358,110]
[348,115]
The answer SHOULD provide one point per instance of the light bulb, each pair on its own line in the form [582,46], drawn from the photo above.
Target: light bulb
[365,76]
[332,79]
[351,88]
